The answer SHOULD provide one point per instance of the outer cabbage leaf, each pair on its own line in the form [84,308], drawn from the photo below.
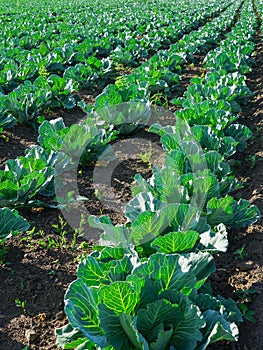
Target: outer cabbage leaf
[71,338]
[217,328]
[81,306]
[11,223]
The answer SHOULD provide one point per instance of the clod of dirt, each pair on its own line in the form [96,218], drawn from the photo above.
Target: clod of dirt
[31,335]
[60,315]
[246,266]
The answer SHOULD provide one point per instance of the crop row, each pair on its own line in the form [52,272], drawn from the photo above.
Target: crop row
[18,186]
[161,73]
[27,53]
[150,288]
[29,84]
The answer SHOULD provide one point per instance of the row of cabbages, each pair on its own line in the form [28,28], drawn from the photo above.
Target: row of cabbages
[149,287]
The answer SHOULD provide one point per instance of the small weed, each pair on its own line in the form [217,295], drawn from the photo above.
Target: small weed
[2,136]
[60,229]
[253,160]
[78,232]
[21,303]
[52,244]
[97,194]
[256,131]
[3,252]
[121,81]
[101,210]
[246,313]
[42,243]
[240,253]
[160,99]
[74,240]
[245,294]
[146,157]
[32,234]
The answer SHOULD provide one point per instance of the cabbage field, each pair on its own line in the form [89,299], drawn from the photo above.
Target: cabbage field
[131,175]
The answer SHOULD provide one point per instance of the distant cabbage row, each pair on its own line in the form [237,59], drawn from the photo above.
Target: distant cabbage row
[43,61]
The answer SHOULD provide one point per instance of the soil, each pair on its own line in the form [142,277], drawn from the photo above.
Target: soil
[38,266]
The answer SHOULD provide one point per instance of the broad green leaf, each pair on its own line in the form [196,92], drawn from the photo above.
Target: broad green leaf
[144,200]
[220,211]
[120,269]
[119,297]
[174,216]
[68,338]
[92,272]
[217,328]
[205,187]
[230,309]
[11,223]
[201,265]
[8,192]
[48,130]
[176,161]
[228,146]
[162,340]
[150,224]
[213,159]
[170,142]
[81,306]
[162,130]
[147,226]
[171,271]
[121,330]
[161,311]
[187,323]
[109,253]
[149,290]
[176,242]
[116,235]
[129,324]
[109,97]
[186,218]
[168,187]
[245,214]
[187,331]
[240,133]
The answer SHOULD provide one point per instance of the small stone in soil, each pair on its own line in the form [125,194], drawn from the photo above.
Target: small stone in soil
[246,266]
[31,335]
